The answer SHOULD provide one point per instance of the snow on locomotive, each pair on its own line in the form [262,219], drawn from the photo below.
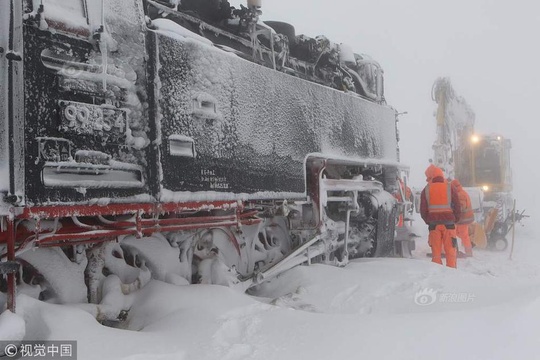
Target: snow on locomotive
[187,143]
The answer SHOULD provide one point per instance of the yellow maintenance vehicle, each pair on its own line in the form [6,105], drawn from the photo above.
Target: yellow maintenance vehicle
[480,162]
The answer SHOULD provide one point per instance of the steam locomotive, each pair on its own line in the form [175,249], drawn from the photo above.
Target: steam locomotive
[184,142]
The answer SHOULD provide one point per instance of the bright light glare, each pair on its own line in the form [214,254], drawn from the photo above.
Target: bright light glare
[485,188]
[475,139]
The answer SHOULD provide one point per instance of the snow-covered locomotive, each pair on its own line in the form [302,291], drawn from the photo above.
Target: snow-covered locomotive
[185,142]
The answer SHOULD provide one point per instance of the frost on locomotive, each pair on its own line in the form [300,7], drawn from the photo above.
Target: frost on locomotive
[186,142]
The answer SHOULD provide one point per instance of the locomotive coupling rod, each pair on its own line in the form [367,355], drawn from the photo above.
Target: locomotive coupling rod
[285,263]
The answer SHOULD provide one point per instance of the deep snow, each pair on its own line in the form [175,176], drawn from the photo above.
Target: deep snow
[366,309]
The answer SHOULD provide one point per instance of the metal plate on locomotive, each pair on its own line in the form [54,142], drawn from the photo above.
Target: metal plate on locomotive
[88,119]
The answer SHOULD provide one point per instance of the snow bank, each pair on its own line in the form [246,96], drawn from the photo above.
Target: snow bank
[12,327]
[65,278]
[368,309]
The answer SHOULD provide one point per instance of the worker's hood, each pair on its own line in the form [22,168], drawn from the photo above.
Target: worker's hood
[456,184]
[429,171]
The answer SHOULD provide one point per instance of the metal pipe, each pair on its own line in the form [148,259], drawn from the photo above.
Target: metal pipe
[11,110]
[134,231]
[11,285]
[77,242]
[346,240]
[106,221]
[78,223]
[172,221]
[120,209]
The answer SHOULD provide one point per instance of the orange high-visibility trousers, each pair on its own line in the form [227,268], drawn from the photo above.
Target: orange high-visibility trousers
[442,237]
[462,231]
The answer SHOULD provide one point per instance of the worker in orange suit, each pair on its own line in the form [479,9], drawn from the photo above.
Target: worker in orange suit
[466,217]
[440,209]
[429,176]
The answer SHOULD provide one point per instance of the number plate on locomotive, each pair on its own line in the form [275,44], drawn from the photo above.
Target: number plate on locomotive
[89,119]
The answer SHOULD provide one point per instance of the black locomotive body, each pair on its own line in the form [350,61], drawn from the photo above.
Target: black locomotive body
[194,125]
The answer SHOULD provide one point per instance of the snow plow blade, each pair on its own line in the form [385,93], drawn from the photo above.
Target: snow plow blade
[479,237]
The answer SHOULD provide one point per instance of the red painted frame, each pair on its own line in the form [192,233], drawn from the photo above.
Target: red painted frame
[72,234]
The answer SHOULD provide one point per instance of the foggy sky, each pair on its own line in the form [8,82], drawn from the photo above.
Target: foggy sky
[489,49]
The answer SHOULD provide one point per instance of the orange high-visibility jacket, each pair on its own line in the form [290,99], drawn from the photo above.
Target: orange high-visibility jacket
[439,203]
[467,214]
[439,197]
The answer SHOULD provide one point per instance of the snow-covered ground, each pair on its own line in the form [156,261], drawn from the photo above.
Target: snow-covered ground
[489,308]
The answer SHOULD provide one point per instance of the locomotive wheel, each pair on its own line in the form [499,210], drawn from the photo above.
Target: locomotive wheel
[35,283]
[362,228]
[49,275]
[386,225]
[31,283]
[371,233]
[275,240]
[155,254]
[362,238]
[216,258]
[222,256]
